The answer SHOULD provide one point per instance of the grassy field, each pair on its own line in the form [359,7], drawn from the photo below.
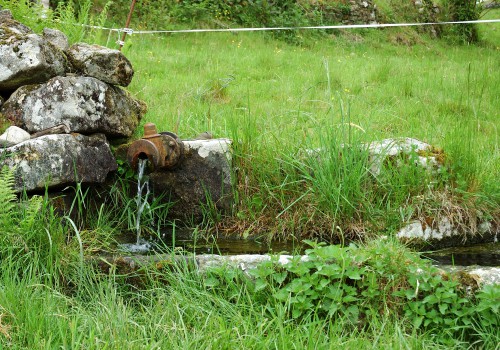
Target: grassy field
[275,100]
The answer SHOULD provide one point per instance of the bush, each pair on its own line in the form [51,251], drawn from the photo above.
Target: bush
[461,10]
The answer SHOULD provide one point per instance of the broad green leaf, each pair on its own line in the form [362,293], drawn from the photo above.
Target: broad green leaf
[430,299]
[260,284]
[353,273]
[443,308]
[417,321]
[211,282]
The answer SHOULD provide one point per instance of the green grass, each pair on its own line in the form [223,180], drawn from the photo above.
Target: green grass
[52,298]
[275,100]
[182,316]
[176,308]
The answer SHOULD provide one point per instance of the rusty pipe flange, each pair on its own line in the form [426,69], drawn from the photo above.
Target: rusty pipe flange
[150,131]
[141,149]
[174,150]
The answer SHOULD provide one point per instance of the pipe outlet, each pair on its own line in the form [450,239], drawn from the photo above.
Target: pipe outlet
[164,150]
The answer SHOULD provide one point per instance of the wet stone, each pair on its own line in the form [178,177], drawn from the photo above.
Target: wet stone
[444,233]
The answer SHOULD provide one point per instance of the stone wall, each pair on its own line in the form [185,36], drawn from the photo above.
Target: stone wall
[63,103]
[366,11]
[345,11]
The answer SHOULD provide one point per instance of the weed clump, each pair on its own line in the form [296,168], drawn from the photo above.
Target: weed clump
[357,285]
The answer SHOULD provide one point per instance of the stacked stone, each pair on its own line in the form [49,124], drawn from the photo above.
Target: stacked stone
[64,103]
[362,11]
[347,12]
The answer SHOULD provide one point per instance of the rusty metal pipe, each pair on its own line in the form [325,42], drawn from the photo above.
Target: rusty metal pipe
[162,150]
[142,149]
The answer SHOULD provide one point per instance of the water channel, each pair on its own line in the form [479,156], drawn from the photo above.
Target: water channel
[182,241]
[185,241]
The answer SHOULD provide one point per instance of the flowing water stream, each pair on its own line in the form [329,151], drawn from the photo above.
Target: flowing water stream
[483,254]
[140,246]
[486,254]
[141,201]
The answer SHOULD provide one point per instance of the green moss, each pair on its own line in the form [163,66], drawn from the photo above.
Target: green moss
[4,123]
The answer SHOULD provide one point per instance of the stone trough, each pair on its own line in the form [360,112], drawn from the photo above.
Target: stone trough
[246,262]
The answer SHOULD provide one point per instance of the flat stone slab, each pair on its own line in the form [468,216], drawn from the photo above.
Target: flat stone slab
[245,262]
[443,233]
[481,274]
[59,160]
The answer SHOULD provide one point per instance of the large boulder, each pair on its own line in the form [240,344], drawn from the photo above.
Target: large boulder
[203,175]
[27,58]
[100,62]
[86,105]
[59,160]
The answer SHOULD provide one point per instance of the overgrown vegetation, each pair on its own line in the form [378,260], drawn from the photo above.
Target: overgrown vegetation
[334,91]
[77,21]
[155,15]
[462,10]
[376,295]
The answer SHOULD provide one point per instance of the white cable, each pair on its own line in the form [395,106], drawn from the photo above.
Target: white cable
[341,26]
[130,31]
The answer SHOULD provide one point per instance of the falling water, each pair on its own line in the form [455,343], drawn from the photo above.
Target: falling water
[141,246]
[141,201]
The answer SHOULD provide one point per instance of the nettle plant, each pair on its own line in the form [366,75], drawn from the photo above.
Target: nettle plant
[337,282]
[355,285]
